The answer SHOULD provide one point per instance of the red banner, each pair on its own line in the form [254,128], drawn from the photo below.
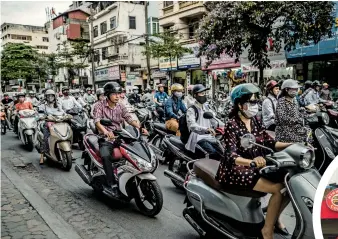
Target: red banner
[329,208]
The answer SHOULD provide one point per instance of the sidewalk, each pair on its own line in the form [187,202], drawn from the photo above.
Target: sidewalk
[18,218]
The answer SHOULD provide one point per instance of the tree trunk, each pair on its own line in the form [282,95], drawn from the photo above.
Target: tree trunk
[261,81]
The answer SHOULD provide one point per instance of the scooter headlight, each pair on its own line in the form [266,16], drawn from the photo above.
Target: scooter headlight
[140,162]
[307,159]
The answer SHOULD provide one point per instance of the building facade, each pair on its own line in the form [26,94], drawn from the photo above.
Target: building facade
[118,33]
[63,30]
[35,36]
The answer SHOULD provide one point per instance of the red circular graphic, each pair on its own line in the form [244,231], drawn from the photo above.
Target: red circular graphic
[332,200]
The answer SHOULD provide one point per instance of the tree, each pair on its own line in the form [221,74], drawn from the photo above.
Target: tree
[231,27]
[72,56]
[19,61]
[166,45]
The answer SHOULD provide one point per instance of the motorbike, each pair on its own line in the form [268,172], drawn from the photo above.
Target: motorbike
[325,139]
[27,128]
[60,140]
[215,212]
[79,125]
[146,113]
[3,120]
[178,156]
[133,172]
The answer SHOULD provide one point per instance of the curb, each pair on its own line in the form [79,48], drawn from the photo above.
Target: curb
[56,223]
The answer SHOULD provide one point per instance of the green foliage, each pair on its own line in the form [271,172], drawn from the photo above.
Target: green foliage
[231,27]
[167,45]
[19,61]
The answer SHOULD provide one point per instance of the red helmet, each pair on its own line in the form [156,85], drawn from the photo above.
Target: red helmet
[271,84]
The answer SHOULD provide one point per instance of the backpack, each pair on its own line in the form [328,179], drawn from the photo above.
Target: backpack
[184,130]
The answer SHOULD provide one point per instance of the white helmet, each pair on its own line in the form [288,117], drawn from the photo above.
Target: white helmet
[290,84]
[135,88]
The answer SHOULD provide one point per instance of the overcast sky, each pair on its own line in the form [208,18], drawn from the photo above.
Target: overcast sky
[30,12]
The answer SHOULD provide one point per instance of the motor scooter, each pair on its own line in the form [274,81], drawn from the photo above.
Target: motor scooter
[79,125]
[134,165]
[215,212]
[27,128]
[60,140]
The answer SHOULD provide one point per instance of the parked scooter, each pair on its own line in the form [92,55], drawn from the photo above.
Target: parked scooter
[217,212]
[79,125]
[133,170]
[60,141]
[325,139]
[27,128]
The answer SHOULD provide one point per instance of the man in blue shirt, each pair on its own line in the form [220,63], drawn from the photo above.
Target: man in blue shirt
[160,98]
[174,108]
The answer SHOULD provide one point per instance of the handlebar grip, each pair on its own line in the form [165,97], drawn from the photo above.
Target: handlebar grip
[253,165]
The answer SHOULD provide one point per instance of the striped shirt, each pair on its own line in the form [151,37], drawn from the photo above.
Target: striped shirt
[117,114]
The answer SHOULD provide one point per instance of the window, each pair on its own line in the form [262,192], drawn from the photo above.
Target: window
[103,27]
[168,3]
[155,28]
[97,55]
[42,47]
[96,31]
[113,23]
[45,39]
[104,53]
[20,37]
[132,22]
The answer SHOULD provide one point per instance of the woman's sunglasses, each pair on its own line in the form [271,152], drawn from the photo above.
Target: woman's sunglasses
[252,102]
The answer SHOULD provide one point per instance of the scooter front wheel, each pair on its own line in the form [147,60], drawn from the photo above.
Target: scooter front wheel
[66,160]
[30,142]
[3,127]
[152,202]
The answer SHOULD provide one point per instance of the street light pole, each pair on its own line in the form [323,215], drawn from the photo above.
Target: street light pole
[91,19]
[147,42]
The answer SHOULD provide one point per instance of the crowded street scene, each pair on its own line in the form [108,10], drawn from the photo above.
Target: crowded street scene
[167,119]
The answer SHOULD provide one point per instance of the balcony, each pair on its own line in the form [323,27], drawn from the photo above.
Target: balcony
[168,9]
[183,4]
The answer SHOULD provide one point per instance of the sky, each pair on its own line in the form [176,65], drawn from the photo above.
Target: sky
[30,12]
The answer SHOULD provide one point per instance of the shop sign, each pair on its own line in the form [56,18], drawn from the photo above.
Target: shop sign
[101,75]
[189,60]
[274,65]
[114,73]
[131,77]
[325,46]
[332,200]
[224,61]
[123,76]
[166,65]
[158,74]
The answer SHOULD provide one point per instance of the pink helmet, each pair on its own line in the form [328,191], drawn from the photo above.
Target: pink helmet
[190,87]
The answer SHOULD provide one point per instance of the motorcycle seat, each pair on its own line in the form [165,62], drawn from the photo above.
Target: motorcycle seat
[93,142]
[175,140]
[162,127]
[206,170]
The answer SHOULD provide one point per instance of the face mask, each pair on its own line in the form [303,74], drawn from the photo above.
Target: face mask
[178,94]
[65,93]
[50,98]
[201,99]
[292,93]
[136,91]
[251,111]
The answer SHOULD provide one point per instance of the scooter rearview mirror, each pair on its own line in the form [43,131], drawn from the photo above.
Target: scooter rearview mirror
[106,122]
[208,115]
[247,141]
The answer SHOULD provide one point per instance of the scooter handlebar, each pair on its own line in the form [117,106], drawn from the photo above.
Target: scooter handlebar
[253,165]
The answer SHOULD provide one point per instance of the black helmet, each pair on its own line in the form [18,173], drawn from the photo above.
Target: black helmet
[20,94]
[5,94]
[198,89]
[316,83]
[112,87]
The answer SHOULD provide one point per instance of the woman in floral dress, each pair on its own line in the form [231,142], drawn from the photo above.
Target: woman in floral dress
[289,120]
[234,170]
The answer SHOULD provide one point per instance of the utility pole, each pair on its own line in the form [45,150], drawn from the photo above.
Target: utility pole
[147,42]
[91,19]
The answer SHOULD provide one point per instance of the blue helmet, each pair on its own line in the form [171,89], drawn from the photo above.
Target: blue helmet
[243,89]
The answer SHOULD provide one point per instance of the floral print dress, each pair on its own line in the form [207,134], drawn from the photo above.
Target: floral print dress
[231,175]
[289,122]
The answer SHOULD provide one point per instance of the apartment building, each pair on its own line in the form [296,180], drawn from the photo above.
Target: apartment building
[119,29]
[63,30]
[35,36]
[182,17]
